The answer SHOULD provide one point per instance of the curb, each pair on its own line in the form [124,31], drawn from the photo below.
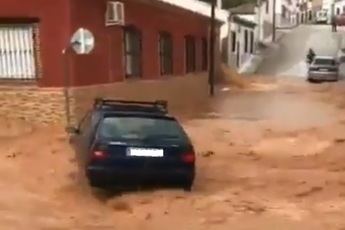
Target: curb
[287,27]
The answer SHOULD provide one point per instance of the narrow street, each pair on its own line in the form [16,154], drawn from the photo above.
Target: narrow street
[270,156]
[288,58]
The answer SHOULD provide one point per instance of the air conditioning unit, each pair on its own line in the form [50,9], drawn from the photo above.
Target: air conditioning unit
[115,14]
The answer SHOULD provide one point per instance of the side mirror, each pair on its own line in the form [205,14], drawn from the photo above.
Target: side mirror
[73,130]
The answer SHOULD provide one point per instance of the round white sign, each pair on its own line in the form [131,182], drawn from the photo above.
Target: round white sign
[83,41]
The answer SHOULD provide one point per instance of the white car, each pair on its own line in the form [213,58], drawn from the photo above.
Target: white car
[321,17]
[341,55]
[323,68]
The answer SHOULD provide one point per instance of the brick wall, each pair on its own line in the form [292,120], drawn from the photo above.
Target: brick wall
[47,105]
[32,103]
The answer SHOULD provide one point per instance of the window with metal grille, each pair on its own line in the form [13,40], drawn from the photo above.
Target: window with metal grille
[19,51]
[204,50]
[133,51]
[233,41]
[190,53]
[251,42]
[166,53]
[246,41]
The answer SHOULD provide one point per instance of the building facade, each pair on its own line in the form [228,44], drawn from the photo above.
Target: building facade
[242,40]
[329,6]
[339,7]
[285,13]
[156,41]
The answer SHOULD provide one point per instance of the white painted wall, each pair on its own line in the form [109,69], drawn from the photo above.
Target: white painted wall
[279,4]
[328,5]
[268,16]
[260,18]
[339,5]
[244,57]
[199,7]
[204,9]
[290,18]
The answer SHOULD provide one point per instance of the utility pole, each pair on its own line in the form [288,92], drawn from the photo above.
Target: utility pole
[67,84]
[259,20]
[274,21]
[212,45]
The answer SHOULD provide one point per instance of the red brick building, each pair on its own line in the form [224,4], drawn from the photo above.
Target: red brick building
[156,41]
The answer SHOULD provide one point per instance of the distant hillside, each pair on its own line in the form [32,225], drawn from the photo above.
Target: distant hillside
[227,4]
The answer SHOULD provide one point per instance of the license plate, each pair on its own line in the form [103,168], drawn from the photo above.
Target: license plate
[145,152]
[324,70]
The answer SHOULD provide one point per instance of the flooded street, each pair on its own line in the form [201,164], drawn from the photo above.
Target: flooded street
[288,58]
[265,158]
[269,156]
[294,111]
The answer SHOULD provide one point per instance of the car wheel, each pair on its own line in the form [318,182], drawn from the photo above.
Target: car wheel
[96,184]
[188,186]
[312,80]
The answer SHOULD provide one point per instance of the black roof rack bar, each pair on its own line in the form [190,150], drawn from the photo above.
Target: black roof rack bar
[158,103]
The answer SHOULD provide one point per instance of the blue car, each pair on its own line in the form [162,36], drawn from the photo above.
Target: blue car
[133,143]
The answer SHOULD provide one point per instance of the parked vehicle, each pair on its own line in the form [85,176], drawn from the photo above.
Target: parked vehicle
[323,68]
[130,143]
[341,55]
[321,17]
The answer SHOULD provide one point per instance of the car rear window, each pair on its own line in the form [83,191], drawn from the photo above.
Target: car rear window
[324,61]
[141,128]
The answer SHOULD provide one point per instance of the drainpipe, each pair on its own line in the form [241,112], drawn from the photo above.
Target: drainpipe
[211,76]
[229,46]
[259,25]
[67,84]
[274,21]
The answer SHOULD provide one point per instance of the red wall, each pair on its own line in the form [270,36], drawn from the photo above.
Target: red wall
[54,27]
[106,63]
[60,18]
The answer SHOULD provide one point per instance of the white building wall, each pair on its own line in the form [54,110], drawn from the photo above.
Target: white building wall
[237,55]
[290,14]
[204,8]
[329,6]
[268,16]
[339,7]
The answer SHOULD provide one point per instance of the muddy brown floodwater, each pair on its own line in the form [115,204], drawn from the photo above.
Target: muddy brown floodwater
[268,158]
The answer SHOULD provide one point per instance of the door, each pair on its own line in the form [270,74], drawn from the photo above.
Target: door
[238,50]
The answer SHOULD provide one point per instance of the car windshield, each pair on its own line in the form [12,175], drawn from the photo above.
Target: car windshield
[324,61]
[141,128]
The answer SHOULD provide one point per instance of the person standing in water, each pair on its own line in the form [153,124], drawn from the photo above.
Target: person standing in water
[334,24]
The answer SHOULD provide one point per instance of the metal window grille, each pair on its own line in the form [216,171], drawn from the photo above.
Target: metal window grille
[133,52]
[204,54]
[190,54]
[246,41]
[19,52]
[166,53]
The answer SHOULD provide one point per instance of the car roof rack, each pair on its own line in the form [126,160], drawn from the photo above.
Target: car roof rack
[158,106]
